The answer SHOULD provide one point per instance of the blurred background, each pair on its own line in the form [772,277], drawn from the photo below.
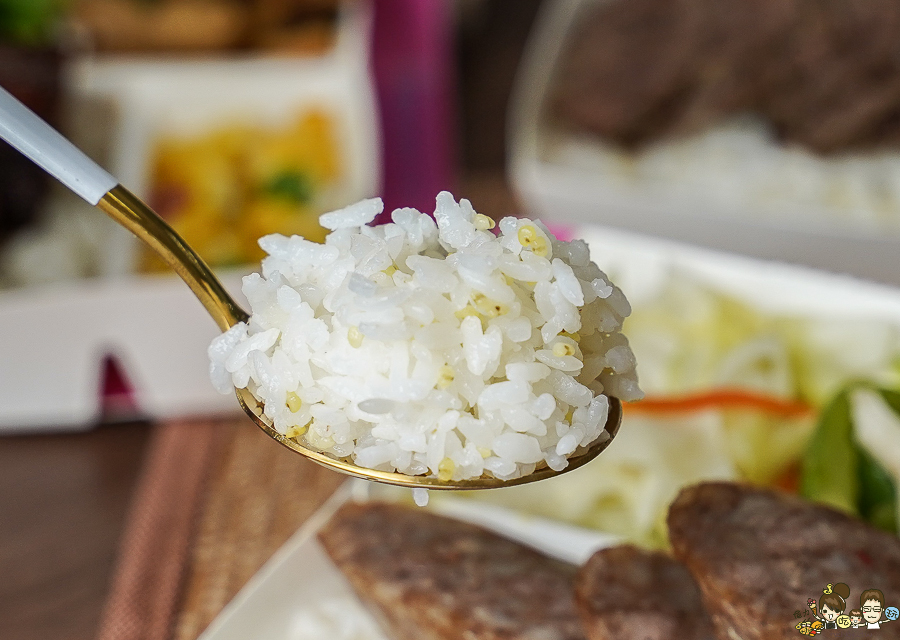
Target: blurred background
[237,118]
[733,164]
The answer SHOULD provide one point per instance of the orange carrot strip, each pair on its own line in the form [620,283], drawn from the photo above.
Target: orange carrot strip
[724,398]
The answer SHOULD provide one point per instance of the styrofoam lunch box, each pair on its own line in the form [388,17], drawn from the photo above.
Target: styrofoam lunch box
[572,186]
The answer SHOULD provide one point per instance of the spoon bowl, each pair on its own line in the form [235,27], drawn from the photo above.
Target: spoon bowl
[60,158]
[254,408]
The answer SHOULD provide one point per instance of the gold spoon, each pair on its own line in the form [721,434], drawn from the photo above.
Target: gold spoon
[60,158]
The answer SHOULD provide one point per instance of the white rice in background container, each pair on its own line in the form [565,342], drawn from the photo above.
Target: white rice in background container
[432,346]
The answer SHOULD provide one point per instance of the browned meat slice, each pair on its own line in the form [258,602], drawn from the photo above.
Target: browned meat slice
[824,73]
[758,556]
[731,74]
[625,593]
[628,70]
[845,71]
[426,577]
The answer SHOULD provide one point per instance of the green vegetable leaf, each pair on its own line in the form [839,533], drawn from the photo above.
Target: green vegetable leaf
[29,22]
[892,398]
[877,495]
[290,185]
[830,467]
[837,471]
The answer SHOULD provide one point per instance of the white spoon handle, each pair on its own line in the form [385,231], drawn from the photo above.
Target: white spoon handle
[47,148]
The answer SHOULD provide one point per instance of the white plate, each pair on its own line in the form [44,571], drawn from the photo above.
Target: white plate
[300,595]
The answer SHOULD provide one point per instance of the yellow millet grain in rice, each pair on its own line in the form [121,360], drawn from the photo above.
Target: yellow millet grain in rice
[446,375]
[561,349]
[446,469]
[483,222]
[294,402]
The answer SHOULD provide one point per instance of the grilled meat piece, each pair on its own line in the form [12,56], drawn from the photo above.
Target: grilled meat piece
[626,593]
[758,555]
[426,577]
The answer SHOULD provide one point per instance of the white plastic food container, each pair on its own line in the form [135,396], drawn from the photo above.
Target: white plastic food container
[560,177]
[147,98]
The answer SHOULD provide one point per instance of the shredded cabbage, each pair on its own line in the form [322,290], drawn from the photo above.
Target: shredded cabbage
[691,337]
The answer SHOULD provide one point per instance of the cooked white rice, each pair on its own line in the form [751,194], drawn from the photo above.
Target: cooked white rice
[432,346]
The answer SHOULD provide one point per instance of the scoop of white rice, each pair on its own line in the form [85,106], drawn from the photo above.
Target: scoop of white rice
[431,345]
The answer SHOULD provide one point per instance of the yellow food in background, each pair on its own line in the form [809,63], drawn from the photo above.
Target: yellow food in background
[223,190]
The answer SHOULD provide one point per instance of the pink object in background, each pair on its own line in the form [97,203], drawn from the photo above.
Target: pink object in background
[412,61]
[561,231]
[117,395]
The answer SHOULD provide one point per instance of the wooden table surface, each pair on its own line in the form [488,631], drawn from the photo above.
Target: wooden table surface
[63,500]
[64,506]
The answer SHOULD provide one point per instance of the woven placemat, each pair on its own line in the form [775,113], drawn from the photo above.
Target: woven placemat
[216,499]
[259,494]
